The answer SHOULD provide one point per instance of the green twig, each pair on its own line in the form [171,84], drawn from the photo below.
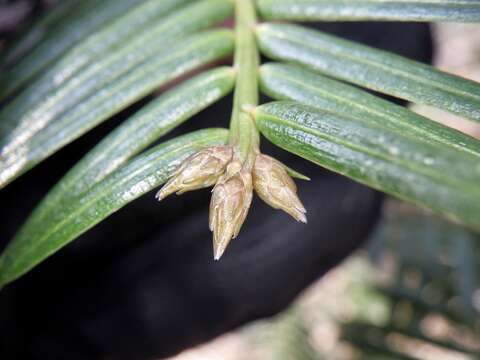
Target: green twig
[243,132]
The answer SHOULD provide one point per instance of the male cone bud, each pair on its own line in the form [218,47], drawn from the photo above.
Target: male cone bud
[200,170]
[274,186]
[231,200]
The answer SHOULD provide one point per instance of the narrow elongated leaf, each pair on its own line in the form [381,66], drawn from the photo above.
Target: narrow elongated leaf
[354,10]
[440,178]
[106,54]
[150,123]
[23,151]
[142,129]
[375,69]
[32,111]
[291,82]
[84,19]
[139,176]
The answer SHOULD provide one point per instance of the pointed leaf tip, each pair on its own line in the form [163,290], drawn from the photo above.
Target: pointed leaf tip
[274,186]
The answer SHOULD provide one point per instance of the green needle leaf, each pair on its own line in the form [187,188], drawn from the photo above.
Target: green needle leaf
[22,150]
[142,129]
[154,120]
[440,178]
[142,174]
[295,174]
[78,21]
[355,10]
[92,64]
[291,82]
[374,69]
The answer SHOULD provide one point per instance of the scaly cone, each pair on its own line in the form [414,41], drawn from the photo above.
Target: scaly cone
[200,170]
[274,186]
[231,200]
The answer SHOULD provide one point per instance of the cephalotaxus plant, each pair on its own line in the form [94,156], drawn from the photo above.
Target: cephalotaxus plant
[90,60]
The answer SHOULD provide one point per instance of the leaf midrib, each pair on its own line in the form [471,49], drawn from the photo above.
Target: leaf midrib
[438,140]
[404,2]
[367,151]
[438,85]
[124,135]
[45,135]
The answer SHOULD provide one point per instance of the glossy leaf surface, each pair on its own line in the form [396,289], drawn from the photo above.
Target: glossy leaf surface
[355,10]
[442,179]
[374,69]
[23,150]
[142,129]
[73,24]
[93,63]
[291,82]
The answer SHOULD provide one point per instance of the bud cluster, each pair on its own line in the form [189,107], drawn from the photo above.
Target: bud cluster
[274,186]
[233,189]
[200,170]
[231,200]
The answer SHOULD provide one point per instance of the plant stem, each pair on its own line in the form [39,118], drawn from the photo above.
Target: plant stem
[243,132]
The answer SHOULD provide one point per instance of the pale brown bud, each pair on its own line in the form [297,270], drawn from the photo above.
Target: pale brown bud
[200,170]
[231,200]
[274,186]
